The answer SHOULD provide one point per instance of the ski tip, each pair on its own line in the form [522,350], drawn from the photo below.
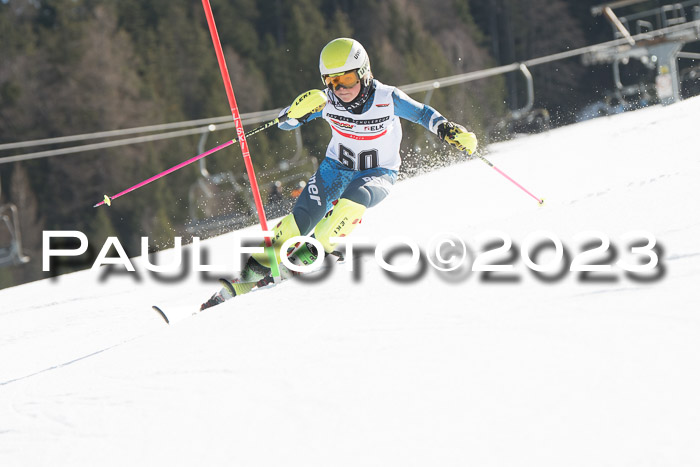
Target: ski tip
[160,312]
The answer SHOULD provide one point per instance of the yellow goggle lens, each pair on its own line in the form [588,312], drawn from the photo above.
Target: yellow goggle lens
[346,80]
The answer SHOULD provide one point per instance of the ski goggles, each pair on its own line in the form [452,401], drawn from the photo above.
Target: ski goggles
[342,80]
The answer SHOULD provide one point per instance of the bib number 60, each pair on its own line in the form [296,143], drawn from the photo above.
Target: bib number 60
[367,159]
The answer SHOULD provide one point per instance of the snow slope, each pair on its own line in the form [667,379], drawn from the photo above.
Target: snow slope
[362,369]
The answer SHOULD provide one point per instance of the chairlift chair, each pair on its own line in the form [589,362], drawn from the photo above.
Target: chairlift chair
[223,202]
[10,238]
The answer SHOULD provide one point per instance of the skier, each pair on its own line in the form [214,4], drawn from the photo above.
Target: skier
[362,159]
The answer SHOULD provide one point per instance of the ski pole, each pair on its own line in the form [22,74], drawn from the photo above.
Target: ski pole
[108,199]
[540,201]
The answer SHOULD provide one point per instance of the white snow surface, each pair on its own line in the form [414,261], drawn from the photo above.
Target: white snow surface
[444,370]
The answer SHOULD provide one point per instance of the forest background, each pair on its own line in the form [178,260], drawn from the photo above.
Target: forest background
[79,66]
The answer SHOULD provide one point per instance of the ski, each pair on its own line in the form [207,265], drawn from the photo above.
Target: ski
[175,315]
[227,286]
[161,313]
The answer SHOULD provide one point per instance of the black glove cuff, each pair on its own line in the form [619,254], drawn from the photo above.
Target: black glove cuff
[443,129]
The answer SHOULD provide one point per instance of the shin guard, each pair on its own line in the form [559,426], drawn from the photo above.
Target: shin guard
[343,220]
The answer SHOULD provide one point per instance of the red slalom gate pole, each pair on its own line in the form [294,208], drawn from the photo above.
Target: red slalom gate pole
[240,132]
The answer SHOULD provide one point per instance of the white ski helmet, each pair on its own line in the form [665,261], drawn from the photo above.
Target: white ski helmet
[342,55]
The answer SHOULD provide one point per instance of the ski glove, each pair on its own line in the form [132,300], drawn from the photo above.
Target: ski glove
[456,135]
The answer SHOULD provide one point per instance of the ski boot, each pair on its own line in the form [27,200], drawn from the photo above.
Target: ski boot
[303,255]
[215,299]
[259,276]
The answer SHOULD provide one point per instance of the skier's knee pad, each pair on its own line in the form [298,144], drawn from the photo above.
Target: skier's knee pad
[343,220]
[284,230]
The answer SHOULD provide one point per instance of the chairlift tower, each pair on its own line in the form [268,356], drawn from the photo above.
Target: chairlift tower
[655,37]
